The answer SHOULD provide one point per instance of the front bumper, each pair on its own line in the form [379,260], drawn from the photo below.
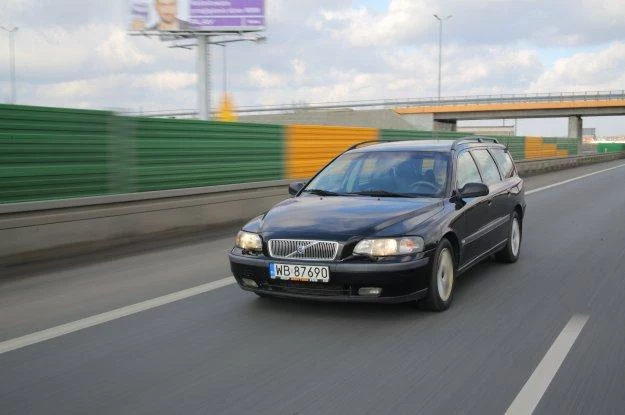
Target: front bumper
[400,281]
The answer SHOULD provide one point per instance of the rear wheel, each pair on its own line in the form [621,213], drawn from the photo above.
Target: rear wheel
[512,249]
[442,279]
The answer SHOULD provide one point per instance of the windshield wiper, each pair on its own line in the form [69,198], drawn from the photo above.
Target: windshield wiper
[321,192]
[379,193]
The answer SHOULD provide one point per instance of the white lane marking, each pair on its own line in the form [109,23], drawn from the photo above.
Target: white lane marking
[535,387]
[51,333]
[540,189]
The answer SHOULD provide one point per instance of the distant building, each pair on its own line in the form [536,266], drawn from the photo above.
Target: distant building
[612,139]
[589,135]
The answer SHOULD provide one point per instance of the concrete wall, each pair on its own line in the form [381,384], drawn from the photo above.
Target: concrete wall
[532,167]
[39,230]
[424,122]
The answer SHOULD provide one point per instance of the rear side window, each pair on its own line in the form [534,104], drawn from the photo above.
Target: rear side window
[504,161]
[487,166]
[467,170]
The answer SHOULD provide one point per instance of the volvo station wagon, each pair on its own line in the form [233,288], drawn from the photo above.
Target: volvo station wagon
[387,222]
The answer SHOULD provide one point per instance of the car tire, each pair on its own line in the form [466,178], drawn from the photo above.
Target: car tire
[442,279]
[510,253]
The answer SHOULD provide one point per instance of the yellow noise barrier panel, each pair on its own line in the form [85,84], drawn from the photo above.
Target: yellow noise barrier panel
[310,147]
[536,148]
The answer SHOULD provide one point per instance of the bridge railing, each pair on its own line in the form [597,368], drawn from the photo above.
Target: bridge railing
[407,102]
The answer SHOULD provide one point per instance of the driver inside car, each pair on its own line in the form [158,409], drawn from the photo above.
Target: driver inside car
[440,172]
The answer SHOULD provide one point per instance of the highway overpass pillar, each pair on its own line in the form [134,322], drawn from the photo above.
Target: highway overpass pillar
[575,129]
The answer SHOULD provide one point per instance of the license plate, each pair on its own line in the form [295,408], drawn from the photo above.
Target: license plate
[303,273]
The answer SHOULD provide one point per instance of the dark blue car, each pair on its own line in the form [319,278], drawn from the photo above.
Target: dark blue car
[387,222]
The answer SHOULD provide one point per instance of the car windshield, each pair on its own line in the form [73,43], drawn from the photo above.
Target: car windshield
[384,173]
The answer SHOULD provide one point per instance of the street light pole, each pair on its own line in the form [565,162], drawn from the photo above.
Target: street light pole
[12,60]
[225,67]
[440,49]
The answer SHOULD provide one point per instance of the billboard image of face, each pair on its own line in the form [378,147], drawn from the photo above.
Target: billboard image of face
[197,15]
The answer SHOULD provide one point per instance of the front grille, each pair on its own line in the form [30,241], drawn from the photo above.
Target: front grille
[303,249]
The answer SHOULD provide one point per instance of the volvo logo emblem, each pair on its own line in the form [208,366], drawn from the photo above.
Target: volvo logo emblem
[301,249]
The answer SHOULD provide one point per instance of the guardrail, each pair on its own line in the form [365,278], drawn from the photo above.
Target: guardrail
[50,229]
[538,166]
[43,229]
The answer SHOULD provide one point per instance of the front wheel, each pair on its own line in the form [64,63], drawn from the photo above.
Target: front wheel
[511,251]
[442,279]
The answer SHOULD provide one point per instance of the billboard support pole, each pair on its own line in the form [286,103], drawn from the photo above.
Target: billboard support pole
[203,77]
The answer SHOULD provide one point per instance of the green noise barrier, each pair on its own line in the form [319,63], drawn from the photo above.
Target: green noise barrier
[55,153]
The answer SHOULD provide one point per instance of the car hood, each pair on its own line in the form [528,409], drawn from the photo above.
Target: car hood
[341,218]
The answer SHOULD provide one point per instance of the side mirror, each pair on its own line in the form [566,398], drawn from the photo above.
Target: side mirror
[295,187]
[474,190]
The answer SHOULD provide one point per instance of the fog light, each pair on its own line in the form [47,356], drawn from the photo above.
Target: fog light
[249,283]
[370,291]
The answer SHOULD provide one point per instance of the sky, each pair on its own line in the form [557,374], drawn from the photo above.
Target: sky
[77,53]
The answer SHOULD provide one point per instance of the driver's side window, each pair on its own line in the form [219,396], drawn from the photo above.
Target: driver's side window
[466,171]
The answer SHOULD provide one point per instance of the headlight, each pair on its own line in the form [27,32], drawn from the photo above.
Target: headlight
[389,247]
[249,241]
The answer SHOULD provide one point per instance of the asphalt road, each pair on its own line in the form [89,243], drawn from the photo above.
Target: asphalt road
[227,351]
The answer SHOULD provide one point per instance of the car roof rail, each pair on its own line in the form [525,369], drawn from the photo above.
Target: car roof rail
[371,142]
[475,139]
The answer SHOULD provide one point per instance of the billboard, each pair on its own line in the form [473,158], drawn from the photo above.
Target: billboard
[197,15]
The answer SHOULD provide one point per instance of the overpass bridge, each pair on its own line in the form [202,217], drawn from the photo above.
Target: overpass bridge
[445,115]
[407,103]
[440,114]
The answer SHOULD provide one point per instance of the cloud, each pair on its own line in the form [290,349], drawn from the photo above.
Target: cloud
[362,27]
[117,51]
[60,53]
[69,90]
[166,80]
[299,68]
[264,79]
[406,22]
[284,12]
[153,91]
[600,70]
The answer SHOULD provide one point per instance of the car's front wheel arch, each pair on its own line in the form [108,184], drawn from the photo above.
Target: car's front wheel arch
[442,279]
[455,244]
